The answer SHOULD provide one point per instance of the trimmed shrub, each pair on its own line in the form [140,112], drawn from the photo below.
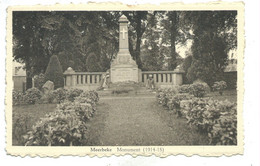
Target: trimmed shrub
[184,88]
[39,81]
[164,95]
[198,89]
[224,130]
[32,95]
[219,86]
[216,118]
[59,94]
[67,125]
[49,98]
[60,128]
[18,98]
[54,72]
[73,93]
[21,125]
[174,103]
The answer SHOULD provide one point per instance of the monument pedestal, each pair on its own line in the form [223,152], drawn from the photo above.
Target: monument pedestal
[123,68]
[124,73]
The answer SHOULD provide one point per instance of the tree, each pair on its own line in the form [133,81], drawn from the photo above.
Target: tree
[151,51]
[54,72]
[173,33]
[91,63]
[136,31]
[214,34]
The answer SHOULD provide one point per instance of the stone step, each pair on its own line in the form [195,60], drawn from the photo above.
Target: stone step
[138,92]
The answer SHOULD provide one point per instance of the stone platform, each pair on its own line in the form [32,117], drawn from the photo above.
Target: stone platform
[126,89]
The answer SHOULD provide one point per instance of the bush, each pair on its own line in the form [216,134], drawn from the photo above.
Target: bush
[67,125]
[216,118]
[18,98]
[39,81]
[184,88]
[198,89]
[59,94]
[164,95]
[60,128]
[32,95]
[175,103]
[224,131]
[219,86]
[50,98]
[54,72]
[93,95]
[73,93]
[21,125]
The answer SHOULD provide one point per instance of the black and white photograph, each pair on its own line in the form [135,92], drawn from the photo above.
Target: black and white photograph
[140,81]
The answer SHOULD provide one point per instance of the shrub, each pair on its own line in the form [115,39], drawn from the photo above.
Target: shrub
[18,98]
[184,88]
[164,95]
[198,89]
[60,128]
[67,125]
[32,95]
[219,86]
[175,103]
[224,131]
[54,72]
[39,81]
[73,93]
[59,94]
[216,118]
[21,125]
[50,97]
[90,97]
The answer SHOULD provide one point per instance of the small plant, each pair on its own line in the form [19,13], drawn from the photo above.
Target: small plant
[219,86]
[198,89]
[32,95]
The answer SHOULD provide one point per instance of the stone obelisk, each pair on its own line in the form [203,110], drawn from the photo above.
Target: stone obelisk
[124,68]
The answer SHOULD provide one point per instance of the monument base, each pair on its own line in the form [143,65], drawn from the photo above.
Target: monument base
[124,73]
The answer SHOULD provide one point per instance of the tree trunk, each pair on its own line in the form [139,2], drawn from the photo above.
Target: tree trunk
[138,40]
[173,33]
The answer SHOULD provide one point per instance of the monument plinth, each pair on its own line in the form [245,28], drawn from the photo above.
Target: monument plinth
[123,68]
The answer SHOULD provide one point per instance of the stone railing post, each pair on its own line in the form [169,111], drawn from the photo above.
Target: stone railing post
[70,77]
[177,76]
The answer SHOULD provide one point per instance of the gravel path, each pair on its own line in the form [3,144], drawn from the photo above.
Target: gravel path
[140,121]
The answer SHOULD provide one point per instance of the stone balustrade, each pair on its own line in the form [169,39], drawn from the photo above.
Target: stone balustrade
[164,78]
[92,80]
[82,80]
